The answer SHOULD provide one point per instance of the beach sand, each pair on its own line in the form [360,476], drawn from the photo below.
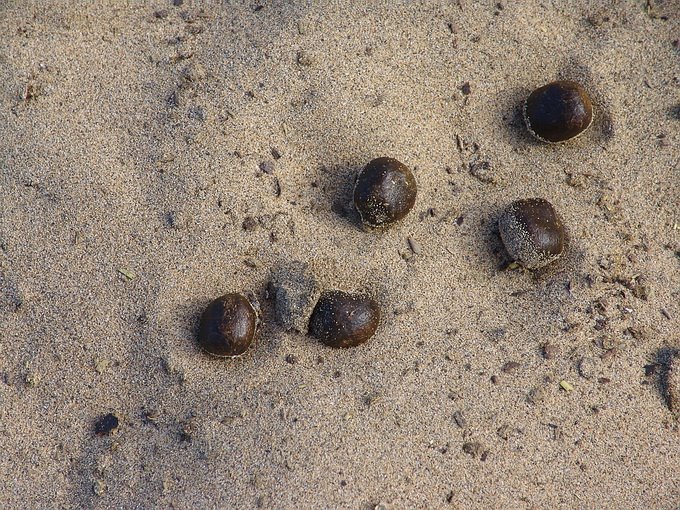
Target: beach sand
[154,156]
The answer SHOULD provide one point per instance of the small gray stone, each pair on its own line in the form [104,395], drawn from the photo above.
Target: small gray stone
[296,293]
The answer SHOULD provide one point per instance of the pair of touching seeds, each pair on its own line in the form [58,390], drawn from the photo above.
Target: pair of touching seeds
[228,325]
[384,193]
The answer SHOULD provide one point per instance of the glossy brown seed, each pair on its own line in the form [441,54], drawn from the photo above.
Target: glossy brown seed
[228,325]
[558,111]
[344,320]
[385,191]
[532,232]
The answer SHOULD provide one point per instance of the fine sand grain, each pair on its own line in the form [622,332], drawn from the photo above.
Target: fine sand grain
[156,155]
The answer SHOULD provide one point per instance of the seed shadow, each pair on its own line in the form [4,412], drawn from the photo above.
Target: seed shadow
[511,108]
[493,244]
[337,186]
[663,359]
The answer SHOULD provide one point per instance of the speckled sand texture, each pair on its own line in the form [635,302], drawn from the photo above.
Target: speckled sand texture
[155,156]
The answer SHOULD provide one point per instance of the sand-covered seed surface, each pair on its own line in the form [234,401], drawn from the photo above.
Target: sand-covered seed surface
[154,156]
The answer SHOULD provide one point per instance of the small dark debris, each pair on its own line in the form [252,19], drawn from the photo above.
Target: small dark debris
[267,167]
[275,153]
[494,379]
[550,351]
[640,289]
[503,432]
[459,419]
[251,263]
[651,369]
[258,8]
[609,354]
[475,450]
[337,374]
[482,171]
[150,417]
[106,425]
[249,224]
[196,113]
[449,497]
[414,246]
[186,432]
[465,88]
[173,99]
[636,333]
[303,59]
[177,3]
[291,358]
[510,367]
[604,380]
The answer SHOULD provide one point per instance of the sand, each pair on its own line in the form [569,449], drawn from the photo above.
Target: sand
[197,148]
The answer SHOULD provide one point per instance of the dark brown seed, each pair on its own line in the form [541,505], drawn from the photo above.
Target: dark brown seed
[228,325]
[532,233]
[385,191]
[558,111]
[344,320]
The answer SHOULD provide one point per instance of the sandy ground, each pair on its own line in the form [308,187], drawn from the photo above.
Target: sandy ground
[133,138]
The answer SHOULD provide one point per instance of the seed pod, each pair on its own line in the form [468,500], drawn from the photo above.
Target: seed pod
[558,111]
[228,325]
[385,191]
[532,233]
[344,320]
